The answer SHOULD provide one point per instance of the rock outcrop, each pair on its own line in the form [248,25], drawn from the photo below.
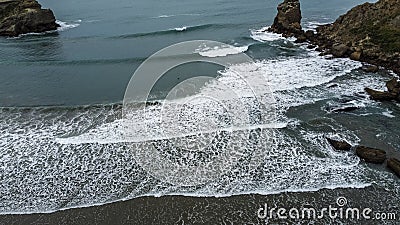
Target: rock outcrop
[24,16]
[371,155]
[287,22]
[369,32]
[339,145]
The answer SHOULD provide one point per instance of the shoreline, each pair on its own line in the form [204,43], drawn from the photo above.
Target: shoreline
[240,209]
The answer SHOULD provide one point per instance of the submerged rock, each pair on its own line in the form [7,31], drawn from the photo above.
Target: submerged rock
[288,19]
[394,165]
[339,145]
[393,86]
[393,92]
[371,155]
[24,16]
[380,95]
[370,69]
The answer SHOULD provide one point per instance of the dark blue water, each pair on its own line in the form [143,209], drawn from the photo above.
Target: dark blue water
[93,62]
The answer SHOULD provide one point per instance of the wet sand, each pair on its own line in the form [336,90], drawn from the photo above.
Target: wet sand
[241,209]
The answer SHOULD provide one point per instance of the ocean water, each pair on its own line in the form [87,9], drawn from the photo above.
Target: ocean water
[61,99]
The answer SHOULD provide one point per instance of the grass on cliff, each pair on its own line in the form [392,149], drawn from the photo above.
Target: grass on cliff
[384,35]
[388,38]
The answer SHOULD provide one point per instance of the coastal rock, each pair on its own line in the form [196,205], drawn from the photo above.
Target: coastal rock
[393,92]
[310,35]
[370,69]
[339,50]
[394,165]
[371,155]
[288,19]
[24,16]
[356,56]
[393,86]
[380,95]
[371,28]
[339,145]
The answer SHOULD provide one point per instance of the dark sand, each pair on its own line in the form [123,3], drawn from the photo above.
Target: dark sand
[241,209]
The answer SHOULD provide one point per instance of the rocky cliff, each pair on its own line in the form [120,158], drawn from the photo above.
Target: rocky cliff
[24,16]
[369,32]
[287,22]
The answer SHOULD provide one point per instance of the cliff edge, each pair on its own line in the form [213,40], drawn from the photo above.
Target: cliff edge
[369,32]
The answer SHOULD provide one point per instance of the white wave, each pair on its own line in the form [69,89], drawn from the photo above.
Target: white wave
[180,28]
[66,26]
[312,25]
[388,113]
[198,195]
[221,51]
[263,35]
[88,173]
[63,26]
[165,16]
[173,15]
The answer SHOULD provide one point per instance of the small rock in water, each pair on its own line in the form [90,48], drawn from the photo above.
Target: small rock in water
[394,165]
[393,86]
[345,109]
[371,155]
[380,95]
[152,103]
[339,145]
[370,69]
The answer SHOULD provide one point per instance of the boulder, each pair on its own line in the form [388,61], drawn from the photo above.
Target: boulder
[380,95]
[310,35]
[339,50]
[288,19]
[355,56]
[371,155]
[301,39]
[394,165]
[370,69]
[24,16]
[393,86]
[339,145]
